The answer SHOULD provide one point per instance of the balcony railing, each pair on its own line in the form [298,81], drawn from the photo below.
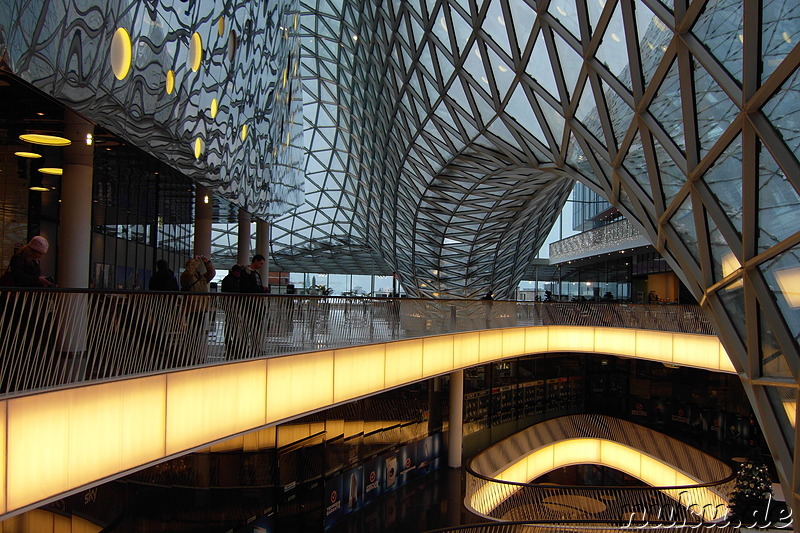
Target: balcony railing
[51,338]
[493,489]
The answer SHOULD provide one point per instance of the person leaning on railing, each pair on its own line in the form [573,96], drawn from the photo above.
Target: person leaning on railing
[24,269]
[23,314]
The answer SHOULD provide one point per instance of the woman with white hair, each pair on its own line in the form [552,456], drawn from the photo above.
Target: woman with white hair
[24,269]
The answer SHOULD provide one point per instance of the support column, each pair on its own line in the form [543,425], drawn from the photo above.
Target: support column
[74,246]
[262,247]
[75,226]
[243,238]
[202,221]
[454,449]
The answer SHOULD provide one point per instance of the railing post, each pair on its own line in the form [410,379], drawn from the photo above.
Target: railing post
[456,419]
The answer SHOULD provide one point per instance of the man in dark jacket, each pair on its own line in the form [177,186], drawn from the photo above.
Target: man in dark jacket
[163,278]
[230,283]
[250,281]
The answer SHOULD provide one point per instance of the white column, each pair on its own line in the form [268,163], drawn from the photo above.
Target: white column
[74,245]
[202,221]
[75,226]
[456,422]
[262,247]
[243,238]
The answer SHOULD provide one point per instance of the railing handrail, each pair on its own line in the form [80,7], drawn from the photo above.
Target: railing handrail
[126,333]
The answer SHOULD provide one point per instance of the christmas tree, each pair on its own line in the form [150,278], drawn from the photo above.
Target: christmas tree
[750,499]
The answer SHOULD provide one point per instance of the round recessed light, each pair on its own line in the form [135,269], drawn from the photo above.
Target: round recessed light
[214,108]
[36,188]
[29,155]
[121,53]
[198,148]
[244,132]
[47,140]
[195,52]
[52,171]
[170,82]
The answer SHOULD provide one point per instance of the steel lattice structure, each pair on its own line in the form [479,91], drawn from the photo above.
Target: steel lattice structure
[444,136]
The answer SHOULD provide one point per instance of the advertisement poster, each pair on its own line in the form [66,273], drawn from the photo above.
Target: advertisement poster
[406,464]
[373,480]
[333,501]
[389,471]
[423,455]
[639,409]
[352,485]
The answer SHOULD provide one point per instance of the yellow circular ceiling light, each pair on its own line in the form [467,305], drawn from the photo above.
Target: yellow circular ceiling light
[38,188]
[244,132]
[121,53]
[170,82]
[47,140]
[52,171]
[195,52]
[221,26]
[214,108]
[198,148]
[29,155]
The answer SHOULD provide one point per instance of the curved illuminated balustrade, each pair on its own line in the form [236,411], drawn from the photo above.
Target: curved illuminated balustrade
[685,484]
[92,428]
[567,526]
[53,338]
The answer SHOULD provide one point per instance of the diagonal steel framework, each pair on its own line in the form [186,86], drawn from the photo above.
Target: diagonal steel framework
[443,138]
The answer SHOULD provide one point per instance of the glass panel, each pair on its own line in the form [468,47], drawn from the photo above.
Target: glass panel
[773,362]
[783,110]
[723,260]
[519,108]
[553,119]
[578,159]
[571,63]
[724,179]
[715,111]
[780,32]
[672,177]
[778,203]
[587,113]
[503,74]
[497,28]
[666,107]
[683,224]
[523,16]
[613,51]
[783,277]
[595,10]
[620,113]
[637,167]
[564,11]
[654,37]
[732,298]
[720,29]
[784,404]
[539,67]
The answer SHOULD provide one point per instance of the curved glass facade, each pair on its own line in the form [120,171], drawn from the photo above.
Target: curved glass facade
[444,137]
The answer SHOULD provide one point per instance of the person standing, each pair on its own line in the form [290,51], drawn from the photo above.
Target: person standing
[24,313]
[196,307]
[24,269]
[250,281]
[163,279]
[256,310]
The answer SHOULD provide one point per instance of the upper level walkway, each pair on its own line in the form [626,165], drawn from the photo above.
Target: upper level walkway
[97,384]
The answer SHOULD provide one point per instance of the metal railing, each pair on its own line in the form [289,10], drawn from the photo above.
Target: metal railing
[567,526]
[498,499]
[56,337]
